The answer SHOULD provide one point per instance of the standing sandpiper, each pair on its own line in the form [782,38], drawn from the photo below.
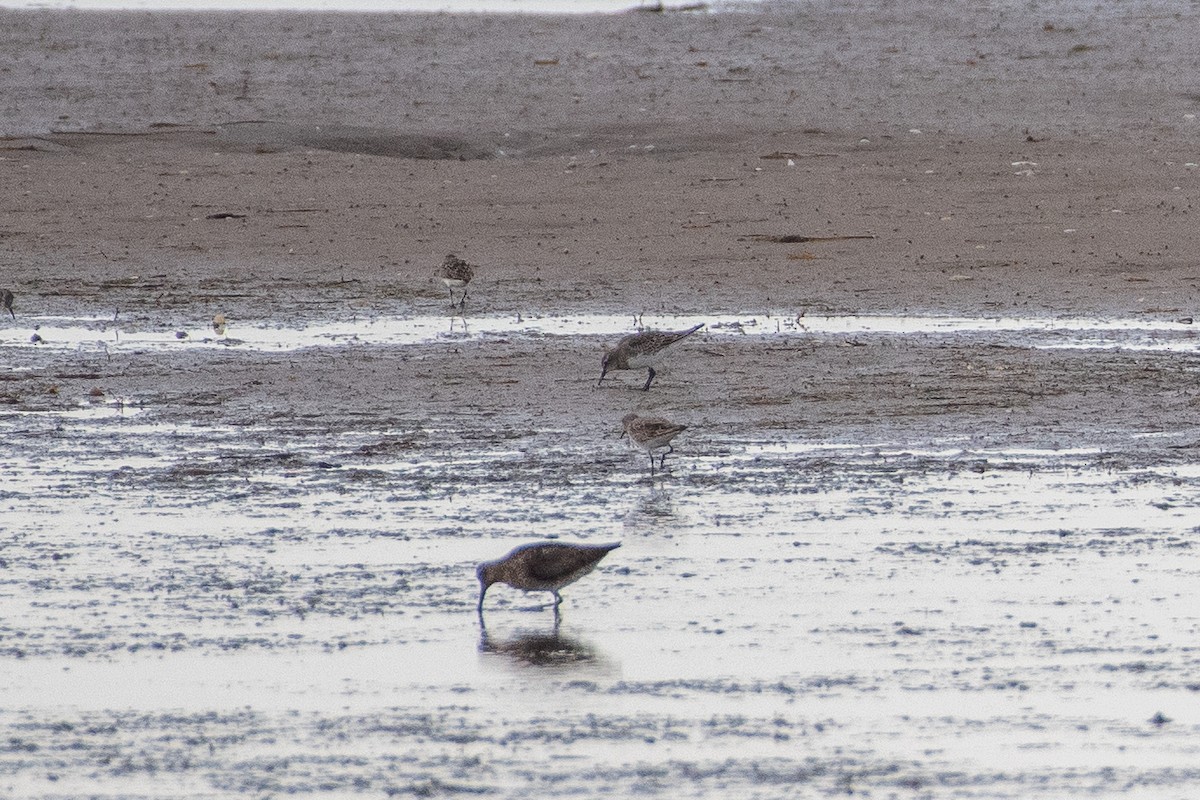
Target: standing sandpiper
[456,274]
[650,434]
[542,567]
[643,349]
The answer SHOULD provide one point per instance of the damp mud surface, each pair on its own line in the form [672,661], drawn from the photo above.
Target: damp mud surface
[918,559]
[930,533]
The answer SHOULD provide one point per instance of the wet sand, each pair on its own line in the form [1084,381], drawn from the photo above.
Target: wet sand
[928,533]
[1054,168]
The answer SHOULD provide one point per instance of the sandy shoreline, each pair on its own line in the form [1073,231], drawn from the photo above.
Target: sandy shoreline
[1054,170]
[953,227]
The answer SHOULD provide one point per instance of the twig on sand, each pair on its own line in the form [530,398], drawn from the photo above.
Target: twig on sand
[795,238]
[661,8]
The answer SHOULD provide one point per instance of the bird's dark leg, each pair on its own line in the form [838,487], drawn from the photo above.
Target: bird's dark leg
[651,464]
[649,379]
[557,599]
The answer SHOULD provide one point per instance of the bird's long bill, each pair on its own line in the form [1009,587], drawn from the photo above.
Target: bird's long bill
[603,372]
[482,591]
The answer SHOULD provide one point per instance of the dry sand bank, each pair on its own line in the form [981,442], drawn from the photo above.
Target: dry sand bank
[1051,172]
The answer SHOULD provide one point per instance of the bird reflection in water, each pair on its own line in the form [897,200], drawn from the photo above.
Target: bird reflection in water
[458,320]
[656,503]
[549,648]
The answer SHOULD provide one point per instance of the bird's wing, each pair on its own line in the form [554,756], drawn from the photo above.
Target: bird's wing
[653,427]
[551,562]
[675,336]
[653,341]
[456,269]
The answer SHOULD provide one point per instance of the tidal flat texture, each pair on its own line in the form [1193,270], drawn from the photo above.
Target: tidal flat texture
[930,531]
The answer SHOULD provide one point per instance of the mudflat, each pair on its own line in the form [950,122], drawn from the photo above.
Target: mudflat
[927,532]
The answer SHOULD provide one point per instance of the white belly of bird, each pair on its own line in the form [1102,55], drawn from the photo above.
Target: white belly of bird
[643,361]
[654,443]
[454,283]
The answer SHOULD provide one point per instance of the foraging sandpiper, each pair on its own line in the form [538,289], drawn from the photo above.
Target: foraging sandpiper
[650,434]
[542,567]
[643,349]
[456,274]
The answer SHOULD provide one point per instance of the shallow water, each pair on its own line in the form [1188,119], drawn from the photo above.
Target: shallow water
[96,334]
[235,607]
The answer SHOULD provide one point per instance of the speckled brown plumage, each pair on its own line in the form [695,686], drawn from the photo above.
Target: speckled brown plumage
[542,567]
[643,349]
[456,274]
[651,433]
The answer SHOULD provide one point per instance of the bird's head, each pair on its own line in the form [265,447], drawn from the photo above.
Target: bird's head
[606,363]
[484,574]
[625,421]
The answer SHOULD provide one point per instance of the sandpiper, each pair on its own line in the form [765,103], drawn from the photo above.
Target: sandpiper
[6,300]
[456,274]
[650,434]
[643,349]
[542,567]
